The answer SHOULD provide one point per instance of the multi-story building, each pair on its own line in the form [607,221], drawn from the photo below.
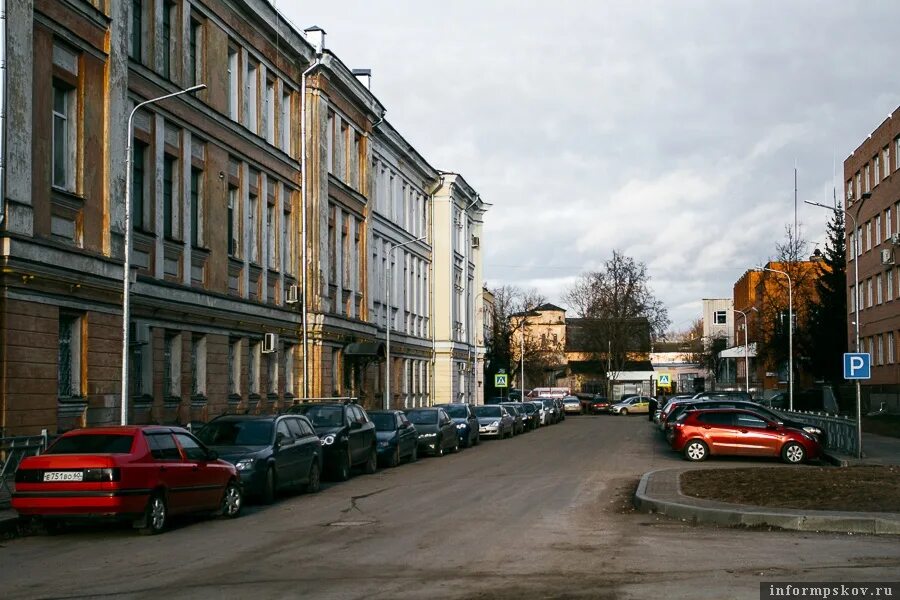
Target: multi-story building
[214,204]
[457,282]
[872,197]
[718,319]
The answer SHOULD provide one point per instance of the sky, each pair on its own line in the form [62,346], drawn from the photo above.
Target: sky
[668,130]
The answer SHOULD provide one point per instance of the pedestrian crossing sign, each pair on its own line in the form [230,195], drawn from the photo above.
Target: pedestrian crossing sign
[663,380]
[500,380]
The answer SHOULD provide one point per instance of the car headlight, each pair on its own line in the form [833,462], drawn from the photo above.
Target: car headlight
[495,424]
[328,440]
[813,430]
[460,425]
[427,435]
[245,464]
[383,444]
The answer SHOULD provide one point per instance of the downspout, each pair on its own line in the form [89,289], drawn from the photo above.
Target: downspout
[304,202]
[3,20]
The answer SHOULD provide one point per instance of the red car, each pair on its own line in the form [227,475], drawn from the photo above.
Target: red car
[137,473]
[702,433]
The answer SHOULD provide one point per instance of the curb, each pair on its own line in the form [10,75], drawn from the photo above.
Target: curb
[731,515]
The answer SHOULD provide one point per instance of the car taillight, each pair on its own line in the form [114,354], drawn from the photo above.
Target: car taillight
[95,475]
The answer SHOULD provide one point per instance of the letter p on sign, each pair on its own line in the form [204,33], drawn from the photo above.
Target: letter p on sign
[857,365]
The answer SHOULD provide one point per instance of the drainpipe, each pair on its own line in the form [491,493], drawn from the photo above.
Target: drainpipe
[3,20]
[304,201]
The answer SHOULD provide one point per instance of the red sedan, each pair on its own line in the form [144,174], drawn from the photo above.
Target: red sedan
[137,473]
[739,433]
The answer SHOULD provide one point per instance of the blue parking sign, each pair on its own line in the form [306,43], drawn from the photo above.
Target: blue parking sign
[857,365]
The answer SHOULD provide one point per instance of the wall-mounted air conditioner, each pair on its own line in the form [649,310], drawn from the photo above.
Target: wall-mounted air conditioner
[895,239]
[887,256]
[291,295]
[270,343]
[476,241]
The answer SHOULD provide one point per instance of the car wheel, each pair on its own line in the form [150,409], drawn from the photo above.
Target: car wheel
[456,446]
[268,495]
[439,447]
[695,451]
[372,463]
[342,471]
[155,515]
[314,480]
[624,412]
[414,455]
[793,453]
[232,501]
[395,457]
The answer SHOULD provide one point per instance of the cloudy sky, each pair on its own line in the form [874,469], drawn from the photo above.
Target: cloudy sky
[667,129]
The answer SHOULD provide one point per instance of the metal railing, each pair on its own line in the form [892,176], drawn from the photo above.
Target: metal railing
[841,433]
[12,451]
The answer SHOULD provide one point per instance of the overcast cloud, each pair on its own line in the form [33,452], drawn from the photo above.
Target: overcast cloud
[666,129]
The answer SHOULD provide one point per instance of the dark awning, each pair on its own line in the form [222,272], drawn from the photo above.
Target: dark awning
[365,349]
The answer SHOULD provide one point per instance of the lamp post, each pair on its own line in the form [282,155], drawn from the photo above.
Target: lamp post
[790,335]
[387,337]
[856,297]
[126,267]
[746,353]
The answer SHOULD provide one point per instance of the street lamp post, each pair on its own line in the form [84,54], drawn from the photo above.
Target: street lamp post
[746,353]
[856,297]
[387,337]
[126,267]
[790,335]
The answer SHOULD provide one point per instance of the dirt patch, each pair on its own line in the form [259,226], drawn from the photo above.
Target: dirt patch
[622,500]
[864,488]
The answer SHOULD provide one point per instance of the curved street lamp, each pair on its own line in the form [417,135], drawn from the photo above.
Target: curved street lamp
[126,267]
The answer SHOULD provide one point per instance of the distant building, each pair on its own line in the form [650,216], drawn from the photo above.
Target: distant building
[872,196]
[718,319]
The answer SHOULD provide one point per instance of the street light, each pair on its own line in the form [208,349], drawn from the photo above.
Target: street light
[790,335]
[856,292]
[387,345]
[126,268]
[746,353]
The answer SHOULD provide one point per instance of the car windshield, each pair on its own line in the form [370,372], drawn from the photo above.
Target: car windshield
[487,411]
[92,443]
[548,403]
[513,409]
[422,417]
[572,401]
[529,408]
[252,432]
[457,412]
[322,416]
[384,421]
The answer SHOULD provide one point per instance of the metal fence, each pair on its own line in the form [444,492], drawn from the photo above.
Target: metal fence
[841,433]
[12,451]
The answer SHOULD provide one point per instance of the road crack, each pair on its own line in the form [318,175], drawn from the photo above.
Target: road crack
[354,499]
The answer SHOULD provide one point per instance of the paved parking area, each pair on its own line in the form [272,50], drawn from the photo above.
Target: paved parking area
[546,514]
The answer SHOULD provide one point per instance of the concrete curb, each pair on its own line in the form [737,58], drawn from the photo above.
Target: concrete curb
[671,502]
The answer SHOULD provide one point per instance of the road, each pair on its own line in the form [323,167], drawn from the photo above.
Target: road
[544,515]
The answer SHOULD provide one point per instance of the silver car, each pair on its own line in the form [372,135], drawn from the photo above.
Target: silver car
[494,421]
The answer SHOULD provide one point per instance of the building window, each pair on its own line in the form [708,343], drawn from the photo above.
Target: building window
[198,365]
[141,368]
[138,184]
[270,111]
[286,249]
[890,286]
[169,165]
[168,17]
[329,142]
[234,367]
[721,317]
[69,362]
[880,349]
[867,178]
[876,171]
[890,347]
[253,225]
[272,373]
[886,161]
[888,226]
[852,298]
[234,83]
[271,237]
[877,230]
[289,370]
[868,239]
[136,33]
[172,366]
[878,292]
[252,92]
[858,185]
[64,132]
[234,223]
[253,367]
[897,152]
[286,122]
[869,294]
[195,52]
[197,211]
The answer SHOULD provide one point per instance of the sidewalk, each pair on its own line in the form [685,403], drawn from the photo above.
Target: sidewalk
[877,450]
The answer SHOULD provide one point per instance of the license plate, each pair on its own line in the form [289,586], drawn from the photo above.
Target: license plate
[64,476]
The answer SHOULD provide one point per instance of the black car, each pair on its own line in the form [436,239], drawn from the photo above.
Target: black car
[515,409]
[437,431]
[466,423]
[532,415]
[271,453]
[768,414]
[347,434]
[397,437]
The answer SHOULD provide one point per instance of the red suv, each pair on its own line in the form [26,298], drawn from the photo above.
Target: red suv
[739,432]
[138,473]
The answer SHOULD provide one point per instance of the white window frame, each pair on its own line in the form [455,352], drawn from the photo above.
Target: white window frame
[253,367]
[271,86]
[234,82]
[69,118]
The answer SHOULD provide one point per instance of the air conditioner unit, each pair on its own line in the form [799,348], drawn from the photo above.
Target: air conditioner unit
[270,343]
[476,241]
[887,256]
[291,295]
[895,239]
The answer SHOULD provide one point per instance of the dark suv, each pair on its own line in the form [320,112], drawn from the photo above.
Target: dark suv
[347,434]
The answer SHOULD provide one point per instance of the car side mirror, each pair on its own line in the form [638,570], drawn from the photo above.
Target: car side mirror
[355,425]
[212,455]
[771,425]
[279,439]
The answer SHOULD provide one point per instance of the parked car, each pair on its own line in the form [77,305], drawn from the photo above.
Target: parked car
[518,417]
[466,423]
[571,405]
[543,412]
[631,405]
[436,430]
[560,409]
[600,404]
[494,421]
[397,437]
[347,434]
[142,474]
[752,406]
[271,453]
[532,415]
[728,431]
[554,414]
[724,395]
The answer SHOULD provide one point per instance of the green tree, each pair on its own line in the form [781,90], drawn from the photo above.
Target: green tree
[828,314]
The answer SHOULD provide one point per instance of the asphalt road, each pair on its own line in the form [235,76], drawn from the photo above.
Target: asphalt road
[544,515]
